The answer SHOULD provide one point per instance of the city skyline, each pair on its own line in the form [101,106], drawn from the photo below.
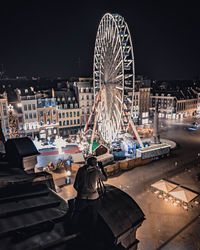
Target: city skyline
[57,39]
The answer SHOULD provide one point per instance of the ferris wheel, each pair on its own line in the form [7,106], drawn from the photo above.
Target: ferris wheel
[113,76]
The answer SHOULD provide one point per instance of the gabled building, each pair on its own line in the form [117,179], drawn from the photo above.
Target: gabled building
[86,98]
[47,112]
[68,110]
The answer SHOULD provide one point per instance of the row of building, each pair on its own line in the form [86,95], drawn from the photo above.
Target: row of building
[64,110]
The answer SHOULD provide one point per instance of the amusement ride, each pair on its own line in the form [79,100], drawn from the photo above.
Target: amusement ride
[113,81]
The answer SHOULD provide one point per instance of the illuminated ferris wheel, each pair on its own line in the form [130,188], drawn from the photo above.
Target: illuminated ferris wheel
[113,76]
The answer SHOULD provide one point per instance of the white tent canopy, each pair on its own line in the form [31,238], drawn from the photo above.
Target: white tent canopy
[164,186]
[183,194]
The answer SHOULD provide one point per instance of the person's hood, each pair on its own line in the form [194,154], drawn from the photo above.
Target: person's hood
[91,168]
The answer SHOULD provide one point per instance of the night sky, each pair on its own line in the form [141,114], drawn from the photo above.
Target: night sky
[48,38]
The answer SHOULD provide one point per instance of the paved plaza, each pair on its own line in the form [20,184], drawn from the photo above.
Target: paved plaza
[166,226]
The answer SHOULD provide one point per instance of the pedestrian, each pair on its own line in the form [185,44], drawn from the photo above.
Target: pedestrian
[86,202]
[51,166]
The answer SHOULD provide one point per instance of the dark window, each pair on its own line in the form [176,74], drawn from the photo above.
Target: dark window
[78,121]
[67,122]
[77,113]
[63,115]
[54,112]
[74,121]
[41,113]
[25,107]
[67,114]
[26,116]
[33,106]
[59,115]
[70,114]
[64,123]
[34,115]
[29,107]
[48,112]
[71,122]
[74,114]
[30,116]
[60,123]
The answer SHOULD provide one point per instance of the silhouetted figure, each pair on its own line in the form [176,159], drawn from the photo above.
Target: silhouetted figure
[87,200]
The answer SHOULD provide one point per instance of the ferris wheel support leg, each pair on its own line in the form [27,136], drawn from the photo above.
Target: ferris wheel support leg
[136,133]
[93,132]
[97,100]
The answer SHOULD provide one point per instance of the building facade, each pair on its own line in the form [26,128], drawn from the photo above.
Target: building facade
[144,105]
[68,110]
[47,112]
[86,99]
[175,104]
[4,114]
[29,110]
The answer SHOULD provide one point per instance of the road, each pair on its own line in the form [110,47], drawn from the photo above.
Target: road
[163,221]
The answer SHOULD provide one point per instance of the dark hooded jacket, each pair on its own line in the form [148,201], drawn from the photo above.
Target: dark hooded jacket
[86,182]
